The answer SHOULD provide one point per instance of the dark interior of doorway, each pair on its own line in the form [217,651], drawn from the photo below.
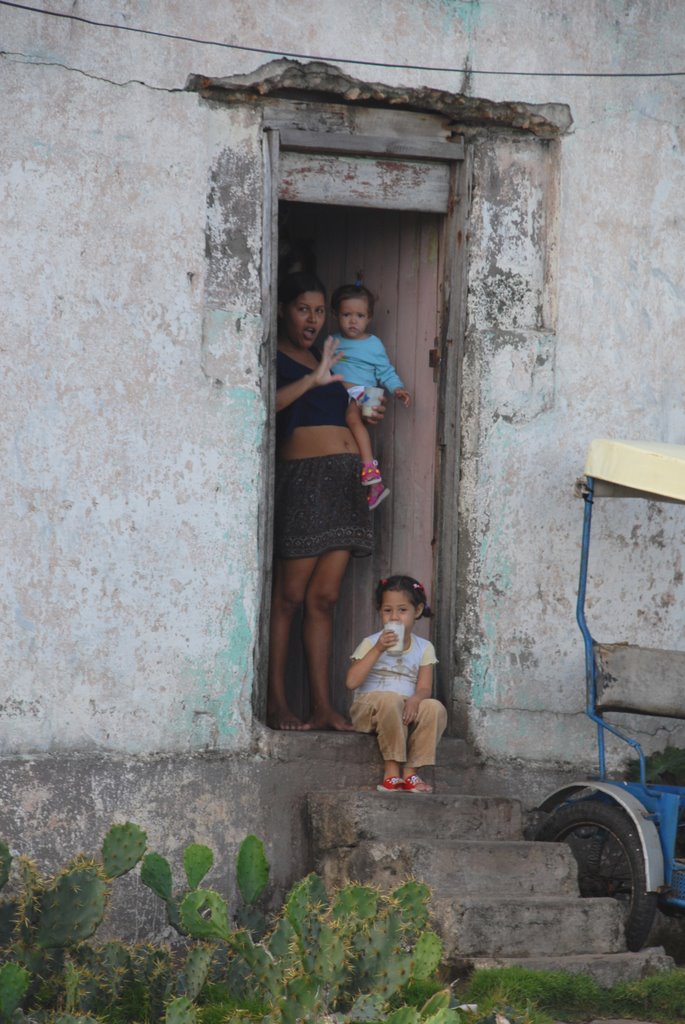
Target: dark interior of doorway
[399,256]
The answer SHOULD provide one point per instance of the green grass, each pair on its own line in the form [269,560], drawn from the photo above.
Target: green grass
[572,997]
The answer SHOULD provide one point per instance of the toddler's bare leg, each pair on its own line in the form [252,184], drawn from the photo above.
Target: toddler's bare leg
[359,432]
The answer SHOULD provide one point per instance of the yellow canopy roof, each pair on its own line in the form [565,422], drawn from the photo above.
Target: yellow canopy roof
[649,467]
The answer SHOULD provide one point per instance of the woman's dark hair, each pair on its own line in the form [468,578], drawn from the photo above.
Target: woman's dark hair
[352,291]
[415,591]
[294,284]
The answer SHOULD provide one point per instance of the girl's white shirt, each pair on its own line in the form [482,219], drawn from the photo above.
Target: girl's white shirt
[395,672]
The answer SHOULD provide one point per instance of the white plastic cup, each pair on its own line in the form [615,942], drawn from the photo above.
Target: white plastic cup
[398,629]
[371,400]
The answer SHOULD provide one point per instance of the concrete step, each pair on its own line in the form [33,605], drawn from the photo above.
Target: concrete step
[350,760]
[503,926]
[346,818]
[457,868]
[606,969]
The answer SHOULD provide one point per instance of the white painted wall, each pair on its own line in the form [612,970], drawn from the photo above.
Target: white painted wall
[130,561]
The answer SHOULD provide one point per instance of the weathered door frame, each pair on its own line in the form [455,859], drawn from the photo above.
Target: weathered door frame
[439,158]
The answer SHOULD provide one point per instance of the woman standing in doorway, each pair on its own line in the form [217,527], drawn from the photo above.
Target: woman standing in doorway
[321,514]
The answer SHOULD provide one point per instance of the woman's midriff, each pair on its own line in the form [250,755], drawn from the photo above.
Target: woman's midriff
[310,442]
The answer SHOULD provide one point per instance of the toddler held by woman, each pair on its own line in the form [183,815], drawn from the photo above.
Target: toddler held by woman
[364,364]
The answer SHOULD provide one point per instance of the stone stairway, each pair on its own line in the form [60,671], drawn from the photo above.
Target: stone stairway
[497,898]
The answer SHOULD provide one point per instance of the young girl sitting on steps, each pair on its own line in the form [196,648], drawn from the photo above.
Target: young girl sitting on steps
[393,689]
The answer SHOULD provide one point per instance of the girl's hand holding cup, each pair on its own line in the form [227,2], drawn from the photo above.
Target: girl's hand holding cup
[397,630]
[386,640]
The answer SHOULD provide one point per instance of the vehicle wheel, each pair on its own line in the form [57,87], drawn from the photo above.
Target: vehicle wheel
[607,848]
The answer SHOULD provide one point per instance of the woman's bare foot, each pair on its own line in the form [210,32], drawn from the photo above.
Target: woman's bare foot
[284,719]
[329,720]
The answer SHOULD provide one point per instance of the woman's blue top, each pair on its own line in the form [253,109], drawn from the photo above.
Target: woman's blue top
[323,406]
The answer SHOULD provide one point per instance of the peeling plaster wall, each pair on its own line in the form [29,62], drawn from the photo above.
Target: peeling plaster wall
[130,446]
[133,417]
[576,320]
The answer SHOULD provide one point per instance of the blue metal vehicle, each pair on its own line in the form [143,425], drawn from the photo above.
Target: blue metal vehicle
[627,837]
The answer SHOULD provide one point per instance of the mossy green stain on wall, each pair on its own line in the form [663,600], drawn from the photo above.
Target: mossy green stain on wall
[218,708]
[497,579]
[221,708]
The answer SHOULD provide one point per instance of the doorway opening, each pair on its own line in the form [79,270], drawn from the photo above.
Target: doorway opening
[400,254]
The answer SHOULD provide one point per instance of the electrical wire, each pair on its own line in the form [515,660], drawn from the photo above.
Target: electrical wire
[342,60]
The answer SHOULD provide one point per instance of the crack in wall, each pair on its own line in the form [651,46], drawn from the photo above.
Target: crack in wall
[23,58]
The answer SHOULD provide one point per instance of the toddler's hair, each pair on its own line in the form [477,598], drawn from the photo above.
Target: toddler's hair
[295,284]
[415,591]
[352,291]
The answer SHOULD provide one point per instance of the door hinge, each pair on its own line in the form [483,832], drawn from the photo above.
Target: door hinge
[434,360]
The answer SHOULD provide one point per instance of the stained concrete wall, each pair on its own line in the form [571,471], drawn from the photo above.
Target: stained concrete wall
[134,418]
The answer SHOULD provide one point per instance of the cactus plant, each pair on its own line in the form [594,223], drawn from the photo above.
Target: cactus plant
[344,956]
[252,869]
[196,970]
[405,1015]
[355,901]
[156,874]
[5,863]
[180,1011]
[68,1018]
[122,848]
[204,915]
[72,907]
[197,861]
[426,956]
[14,983]
[438,1001]
[413,900]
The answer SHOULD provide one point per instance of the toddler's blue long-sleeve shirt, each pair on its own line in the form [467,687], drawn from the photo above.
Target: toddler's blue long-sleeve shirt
[366,362]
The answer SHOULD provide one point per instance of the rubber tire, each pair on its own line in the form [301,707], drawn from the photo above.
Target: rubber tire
[625,850]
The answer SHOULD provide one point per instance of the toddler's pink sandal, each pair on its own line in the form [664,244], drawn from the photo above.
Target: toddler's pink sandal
[415,784]
[391,785]
[370,473]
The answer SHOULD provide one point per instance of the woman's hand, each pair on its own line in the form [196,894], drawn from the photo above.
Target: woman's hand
[320,374]
[378,413]
[329,357]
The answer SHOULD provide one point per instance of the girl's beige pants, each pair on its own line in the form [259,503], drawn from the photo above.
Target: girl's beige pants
[415,744]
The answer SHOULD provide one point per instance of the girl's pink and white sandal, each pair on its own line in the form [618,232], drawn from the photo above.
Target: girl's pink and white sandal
[415,784]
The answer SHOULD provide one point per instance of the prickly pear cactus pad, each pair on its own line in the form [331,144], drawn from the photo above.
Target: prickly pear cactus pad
[426,956]
[72,908]
[5,863]
[252,869]
[122,848]
[180,1011]
[413,899]
[355,901]
[156,874]
[196,969]
[197,860]
[204,914]
[14,982]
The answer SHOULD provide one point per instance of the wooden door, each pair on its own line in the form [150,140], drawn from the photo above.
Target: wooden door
[398,252]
